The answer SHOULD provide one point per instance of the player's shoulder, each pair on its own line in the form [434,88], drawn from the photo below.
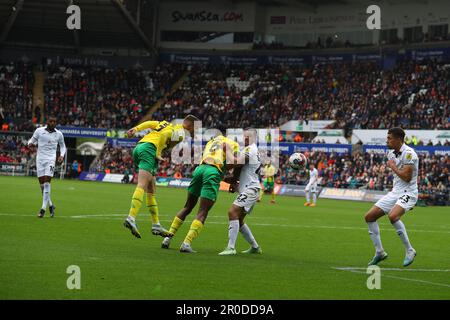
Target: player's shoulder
[59,132]
[409,153]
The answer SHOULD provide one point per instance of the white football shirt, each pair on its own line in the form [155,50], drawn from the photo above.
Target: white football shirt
[47,143]
[406,156]
[313,176]
[249,177]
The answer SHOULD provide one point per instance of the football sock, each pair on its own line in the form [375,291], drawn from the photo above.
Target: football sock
[261,192]
[176,224]
[50,203]
[136,202]
[233,231]
[45,195]
[374,232]
[314,197]
[401,231]
[152,206]
[307,196]
[273,195]
[247,234]
[194,231]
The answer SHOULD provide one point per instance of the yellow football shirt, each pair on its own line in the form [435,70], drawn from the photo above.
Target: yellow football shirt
[269,172]
[161,134]
[214,151]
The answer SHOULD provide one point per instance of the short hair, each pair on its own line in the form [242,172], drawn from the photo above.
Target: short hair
[191,118]
[397,132]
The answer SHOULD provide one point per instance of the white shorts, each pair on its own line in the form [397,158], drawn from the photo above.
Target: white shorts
[45,167]
[311,187]
[247,199]
[407,200]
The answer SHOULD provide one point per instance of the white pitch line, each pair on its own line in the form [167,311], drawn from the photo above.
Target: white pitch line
[393,269]
[401,278]
[116,217]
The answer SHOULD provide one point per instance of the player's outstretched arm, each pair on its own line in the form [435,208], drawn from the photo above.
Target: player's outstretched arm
[142,126]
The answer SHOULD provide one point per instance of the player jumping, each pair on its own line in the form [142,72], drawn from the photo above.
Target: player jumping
[404,163]
[205,185]
[269,172]
[47,139]
[249,186]
[145,157]
[311,187]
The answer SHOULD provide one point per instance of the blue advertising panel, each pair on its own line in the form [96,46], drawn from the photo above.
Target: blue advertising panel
[426,150]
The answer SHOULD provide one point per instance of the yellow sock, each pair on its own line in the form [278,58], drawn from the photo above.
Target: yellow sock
[194,231]
[261,192]
[136,202]
[152,206]
[176,224]
[273,195]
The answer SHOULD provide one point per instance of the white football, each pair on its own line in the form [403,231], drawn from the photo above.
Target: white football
[297,160]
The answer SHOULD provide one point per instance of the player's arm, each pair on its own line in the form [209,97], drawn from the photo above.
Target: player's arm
[405,173]
[34,139]
[62,148]
[142,126]
[231,155]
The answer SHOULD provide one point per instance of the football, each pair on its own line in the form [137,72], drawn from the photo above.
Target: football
[297,161]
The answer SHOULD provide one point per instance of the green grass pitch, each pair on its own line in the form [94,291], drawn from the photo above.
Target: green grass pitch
[303,249]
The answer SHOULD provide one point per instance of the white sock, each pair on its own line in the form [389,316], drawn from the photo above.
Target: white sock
[233,231]
[401,231]
[374,232]
[245,230]
[307,196]
[314,197]
[45,195]
[50,203]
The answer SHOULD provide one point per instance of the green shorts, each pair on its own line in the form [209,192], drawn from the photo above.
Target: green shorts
[205,182]
[144,157]
[268,186]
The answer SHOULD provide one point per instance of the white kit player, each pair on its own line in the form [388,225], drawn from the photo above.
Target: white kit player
[47,140]
[311,187]
[249,187]
[404,163]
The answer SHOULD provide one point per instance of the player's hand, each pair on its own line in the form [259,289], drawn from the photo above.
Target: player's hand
[391,164]
[60,159]
[159,158]
[131,133]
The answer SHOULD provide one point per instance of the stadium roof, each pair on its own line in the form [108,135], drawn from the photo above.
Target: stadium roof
[105,23]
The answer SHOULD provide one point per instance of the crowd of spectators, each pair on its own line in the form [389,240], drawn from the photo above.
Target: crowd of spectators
[413,95]
[16,95]
[14,150]
[105,97]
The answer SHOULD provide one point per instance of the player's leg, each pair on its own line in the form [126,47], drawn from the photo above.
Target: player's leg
[234,214]
[371,218]
[152,206]
[314,196]
[307,195]
[177,222]
[47,187]
[137,198]
[211,178]
[197,225]
[394,216]
[248,236]
[41,179]
[272,192]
